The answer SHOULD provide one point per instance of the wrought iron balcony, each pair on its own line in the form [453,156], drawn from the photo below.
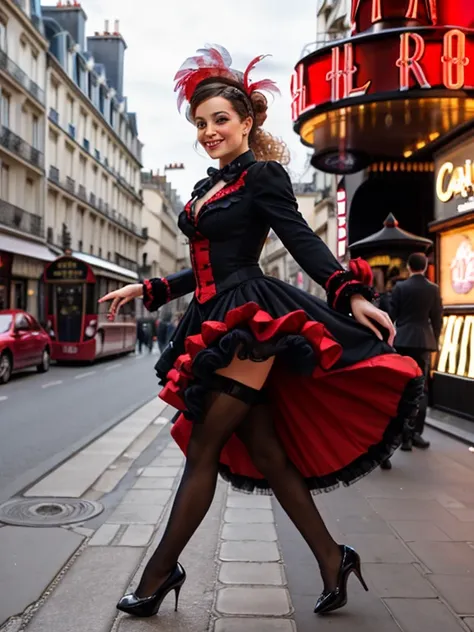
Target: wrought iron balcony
[54,174]
[126,263]
[16,217]
[54,115]
[12,69]
[70,184]
[20,147]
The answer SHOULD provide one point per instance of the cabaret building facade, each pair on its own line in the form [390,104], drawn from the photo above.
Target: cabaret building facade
[391,109]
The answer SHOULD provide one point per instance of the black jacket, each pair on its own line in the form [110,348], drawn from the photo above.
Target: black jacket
[417,312]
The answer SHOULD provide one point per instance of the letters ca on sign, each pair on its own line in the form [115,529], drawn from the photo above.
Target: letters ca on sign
[453,181]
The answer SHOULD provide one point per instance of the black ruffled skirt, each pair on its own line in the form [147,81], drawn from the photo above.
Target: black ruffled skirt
[339,396]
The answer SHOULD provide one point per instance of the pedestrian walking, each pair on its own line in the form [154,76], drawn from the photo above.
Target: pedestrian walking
[279,391]
[164,331]
[417,311]
[145,332]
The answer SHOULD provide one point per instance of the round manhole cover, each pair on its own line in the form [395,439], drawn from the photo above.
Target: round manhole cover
[47,512]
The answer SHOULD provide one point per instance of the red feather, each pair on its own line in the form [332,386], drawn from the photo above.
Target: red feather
[264,84]
[249,69]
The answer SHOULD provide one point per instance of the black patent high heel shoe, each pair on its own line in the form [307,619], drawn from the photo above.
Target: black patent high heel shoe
[149,606]
[330,600]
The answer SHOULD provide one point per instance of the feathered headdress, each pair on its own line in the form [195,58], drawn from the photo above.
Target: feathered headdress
[215,61]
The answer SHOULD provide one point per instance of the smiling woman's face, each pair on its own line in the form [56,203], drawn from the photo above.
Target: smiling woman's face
[220,131]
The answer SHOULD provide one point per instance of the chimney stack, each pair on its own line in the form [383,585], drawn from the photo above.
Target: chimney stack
[109,49]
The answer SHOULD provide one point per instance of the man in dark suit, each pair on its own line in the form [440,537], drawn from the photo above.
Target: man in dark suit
[418,315]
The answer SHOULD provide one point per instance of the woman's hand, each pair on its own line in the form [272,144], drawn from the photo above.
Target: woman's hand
[121,297]
[364,312]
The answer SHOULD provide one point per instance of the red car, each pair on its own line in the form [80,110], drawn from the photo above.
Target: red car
[23,343]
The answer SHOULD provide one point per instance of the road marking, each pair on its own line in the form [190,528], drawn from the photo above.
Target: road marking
[81,375]
[3,398]
[113,366]
[52,384]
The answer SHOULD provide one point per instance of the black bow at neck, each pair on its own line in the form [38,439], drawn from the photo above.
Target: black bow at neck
[227,174]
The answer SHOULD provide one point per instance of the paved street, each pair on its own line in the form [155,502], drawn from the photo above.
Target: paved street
[248,569]
[45,418]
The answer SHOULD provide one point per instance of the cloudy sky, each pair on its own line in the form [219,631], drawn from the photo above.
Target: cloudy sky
[160,34]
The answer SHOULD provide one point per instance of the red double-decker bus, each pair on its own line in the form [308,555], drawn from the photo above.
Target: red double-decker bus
[78,326]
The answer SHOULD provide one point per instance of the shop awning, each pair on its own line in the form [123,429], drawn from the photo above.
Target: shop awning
[96,262]
[26,248]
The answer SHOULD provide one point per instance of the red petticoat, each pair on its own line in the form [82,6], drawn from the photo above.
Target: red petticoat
[336,424]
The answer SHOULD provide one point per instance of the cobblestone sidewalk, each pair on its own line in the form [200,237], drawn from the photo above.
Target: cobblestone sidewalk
[249,570]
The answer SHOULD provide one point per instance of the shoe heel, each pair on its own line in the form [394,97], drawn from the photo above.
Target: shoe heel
[358,574]
[177,590]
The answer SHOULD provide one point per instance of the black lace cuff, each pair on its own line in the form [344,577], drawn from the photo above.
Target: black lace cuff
[156,292]
[342,286]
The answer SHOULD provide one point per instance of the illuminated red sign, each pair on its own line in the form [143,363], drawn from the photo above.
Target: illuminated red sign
[341,200]
[384,64]
[366,13]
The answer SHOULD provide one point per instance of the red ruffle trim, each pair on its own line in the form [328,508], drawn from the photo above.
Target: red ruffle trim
[264,327]
[148,293]
[168,289]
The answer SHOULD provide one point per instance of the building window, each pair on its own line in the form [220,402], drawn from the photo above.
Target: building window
[70,109]
[5,109]
[35,136]
[82,170]
[29,195]
[3,36]
[5,182]
[79,245]
[34,66]
[92,249]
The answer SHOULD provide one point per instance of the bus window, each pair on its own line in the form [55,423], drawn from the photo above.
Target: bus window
[69,302]
[91,303]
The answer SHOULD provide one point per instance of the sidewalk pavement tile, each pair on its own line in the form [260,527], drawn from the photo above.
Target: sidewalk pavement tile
[137,535]
[132,513]
[398,580]
[470,623]
[457,590]
[418,530]
[380,548]
[197,594]
[265,532]
[363,613]
[157,472]
[249,552]
[251,573]
[86,597]
[362,524]
[254,625]
[456,530]
[147,496]
[409,509]
[104,534]
[416,615]
[248,515]
[162,461]
[145,482]
[245,501]
[30,559]
[445,558]
[464,514]
[253,601]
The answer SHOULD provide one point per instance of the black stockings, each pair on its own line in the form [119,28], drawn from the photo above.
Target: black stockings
[254,427]
[260,438]
[197,487]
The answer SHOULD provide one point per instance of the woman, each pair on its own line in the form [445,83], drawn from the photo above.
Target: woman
[278,390]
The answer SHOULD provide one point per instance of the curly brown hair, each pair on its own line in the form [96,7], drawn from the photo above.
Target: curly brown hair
[264,145]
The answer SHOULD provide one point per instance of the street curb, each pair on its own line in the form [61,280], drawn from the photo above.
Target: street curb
[15,489]
[451,431]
